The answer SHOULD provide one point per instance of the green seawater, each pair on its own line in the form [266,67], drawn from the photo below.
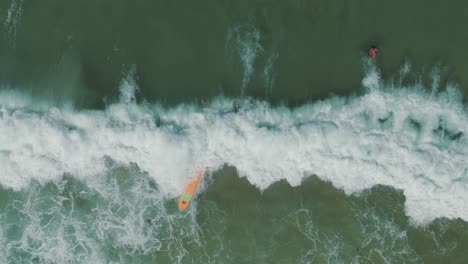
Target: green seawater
[283,51]
[123,219]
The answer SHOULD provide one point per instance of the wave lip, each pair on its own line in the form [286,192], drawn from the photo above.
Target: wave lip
[404,138]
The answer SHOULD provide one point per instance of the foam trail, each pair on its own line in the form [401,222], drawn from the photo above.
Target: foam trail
[14,13]
[246,39]
[435,80]
[397,137]
[128,87]
[269,74]
[3,247]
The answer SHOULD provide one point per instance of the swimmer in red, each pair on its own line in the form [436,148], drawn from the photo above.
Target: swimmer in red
[373,51]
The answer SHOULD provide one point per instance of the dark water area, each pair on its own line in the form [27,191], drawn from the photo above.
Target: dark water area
[280,51]
[370,227]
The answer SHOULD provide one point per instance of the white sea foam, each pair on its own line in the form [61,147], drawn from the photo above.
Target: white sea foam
[404,138]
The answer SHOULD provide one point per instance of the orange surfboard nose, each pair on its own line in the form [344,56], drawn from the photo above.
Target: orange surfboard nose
[183,204]
[190,190]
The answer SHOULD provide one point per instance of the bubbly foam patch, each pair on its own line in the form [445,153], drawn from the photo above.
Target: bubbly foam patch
[114,218]
[404,138]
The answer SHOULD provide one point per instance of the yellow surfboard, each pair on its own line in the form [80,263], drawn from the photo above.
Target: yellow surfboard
[190,189]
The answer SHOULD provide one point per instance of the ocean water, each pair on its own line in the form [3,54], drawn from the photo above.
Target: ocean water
[311,156]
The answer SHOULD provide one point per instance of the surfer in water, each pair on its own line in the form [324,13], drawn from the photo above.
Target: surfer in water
[373,51]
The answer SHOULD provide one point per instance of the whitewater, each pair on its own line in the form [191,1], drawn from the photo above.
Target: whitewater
[399,136]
